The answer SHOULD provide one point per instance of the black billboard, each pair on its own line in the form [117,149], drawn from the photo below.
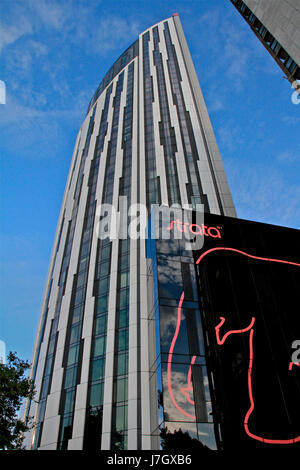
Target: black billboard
[228,321]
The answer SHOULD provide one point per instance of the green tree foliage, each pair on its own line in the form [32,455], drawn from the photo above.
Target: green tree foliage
[14,387]
[180,440]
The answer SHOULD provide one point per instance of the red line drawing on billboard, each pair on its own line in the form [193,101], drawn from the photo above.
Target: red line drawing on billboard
[185,390]
[222,248]
[251,330]
[252,405]
[217,328]
[291,364]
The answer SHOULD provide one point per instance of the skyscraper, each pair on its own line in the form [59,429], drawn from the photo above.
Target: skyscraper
[276,23]
[146,137]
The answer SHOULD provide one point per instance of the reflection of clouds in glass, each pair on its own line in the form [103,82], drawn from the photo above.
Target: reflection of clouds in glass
[169,272]
[177,419]
[168,246]
[206,384]
[209,411]
[178,380]
[207,435]
[168,322]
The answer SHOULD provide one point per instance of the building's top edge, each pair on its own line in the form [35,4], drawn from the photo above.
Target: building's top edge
[127,56]
[159,22]
[120,63]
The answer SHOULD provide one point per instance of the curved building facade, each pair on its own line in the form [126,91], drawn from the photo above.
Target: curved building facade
[147,137]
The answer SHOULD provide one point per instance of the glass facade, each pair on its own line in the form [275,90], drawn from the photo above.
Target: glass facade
[181,362]
[228,327]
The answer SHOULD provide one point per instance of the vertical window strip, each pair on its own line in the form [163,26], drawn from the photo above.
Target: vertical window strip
[49,361]
[120,385]
[93,428]
[120,381]
[74,344]
[112,147]
[41,336]
[75,162]
[195,192]
[167,134]
[152,190]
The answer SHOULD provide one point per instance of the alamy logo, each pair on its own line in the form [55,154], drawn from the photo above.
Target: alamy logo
[133,221]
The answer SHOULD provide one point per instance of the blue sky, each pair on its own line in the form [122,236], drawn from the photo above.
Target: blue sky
[54,53]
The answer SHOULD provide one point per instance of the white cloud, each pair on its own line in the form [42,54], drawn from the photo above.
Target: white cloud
[229,136]
[121,28]
[291,120]
[230,42]
[9,34]
[264,194]
[289,156]
[73,21]
[38,48]
[213,100]
[21,58]
[53,14]
[37,128]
